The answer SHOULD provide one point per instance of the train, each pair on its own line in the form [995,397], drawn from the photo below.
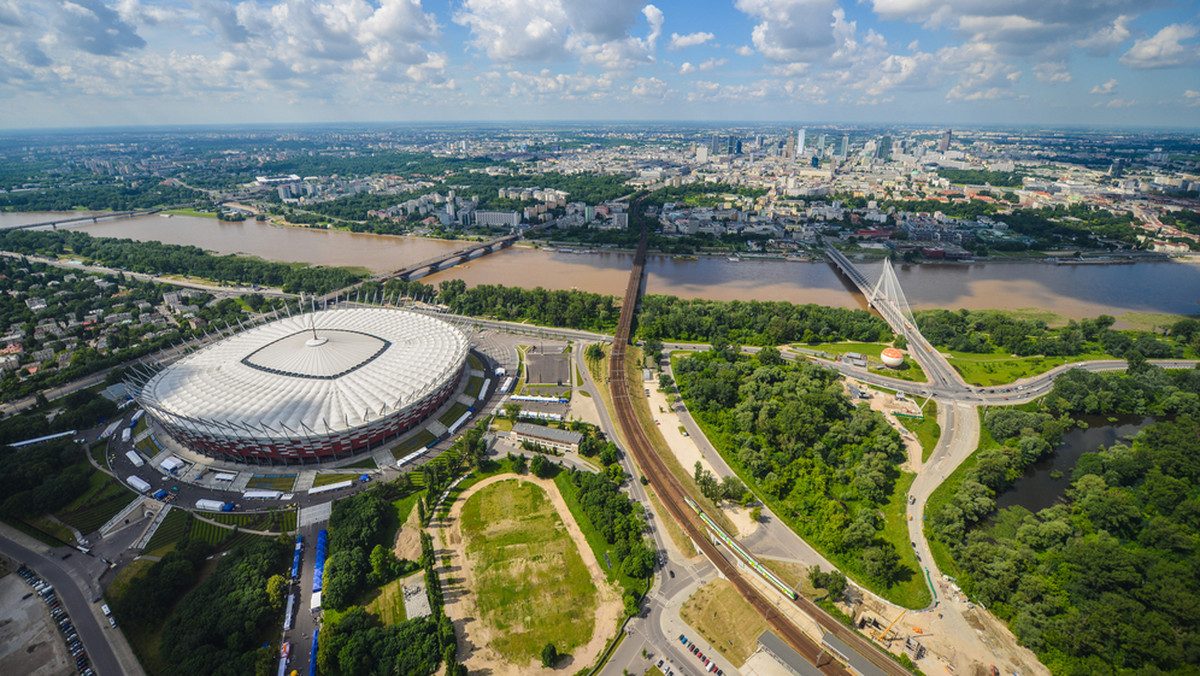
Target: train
[733,545]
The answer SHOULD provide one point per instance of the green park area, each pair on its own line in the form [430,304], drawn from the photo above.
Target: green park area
[998,368]
[927,429]
[532,586]
[418,441]
[451,416]
[909,370]
[725,620]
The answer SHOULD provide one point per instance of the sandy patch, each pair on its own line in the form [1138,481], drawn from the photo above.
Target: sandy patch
[882,402]
[474,639]
[408,538]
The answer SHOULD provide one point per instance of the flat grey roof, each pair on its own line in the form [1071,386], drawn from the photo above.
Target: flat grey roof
[791,659]
[551,433]
[856,661]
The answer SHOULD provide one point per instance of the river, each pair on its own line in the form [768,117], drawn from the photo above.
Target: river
[1046,481]
[1073,291]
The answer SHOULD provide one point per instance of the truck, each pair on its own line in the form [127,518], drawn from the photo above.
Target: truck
[126,435]
[135,458]
[214,505]
[139,484]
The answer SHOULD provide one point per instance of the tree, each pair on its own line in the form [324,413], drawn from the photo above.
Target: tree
[594,352]
[276,586]
[549,655]
[756,512]
[512,411]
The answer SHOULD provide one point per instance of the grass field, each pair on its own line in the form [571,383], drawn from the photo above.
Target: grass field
[872,351]
[913,592]
[277,482]
[474,362]
[218,536]
[100,454]
[47,525]
[169,532]
[450,417]
[1002,369]
[927,429]
[104,497]
[531,584]
[595,540]
[273,521]
[719,613]
[473,386]
[366,463]
[420,440]
[388,606]
[333,478]
[682,542]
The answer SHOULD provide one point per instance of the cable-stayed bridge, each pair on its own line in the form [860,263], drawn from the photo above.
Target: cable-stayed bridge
[887,298]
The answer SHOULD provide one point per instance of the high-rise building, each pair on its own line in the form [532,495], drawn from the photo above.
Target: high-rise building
[800,141]
[789,146]
[845,145]
[702,154]
[944,143]
[884,150]
[821,143]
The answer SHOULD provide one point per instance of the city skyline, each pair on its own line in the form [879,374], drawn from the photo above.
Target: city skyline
[136,62]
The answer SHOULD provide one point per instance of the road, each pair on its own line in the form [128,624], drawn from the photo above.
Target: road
[75,599]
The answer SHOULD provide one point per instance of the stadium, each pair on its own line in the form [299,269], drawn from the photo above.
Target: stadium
[309,387]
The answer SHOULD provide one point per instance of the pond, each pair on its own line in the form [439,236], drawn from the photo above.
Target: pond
[1045,483]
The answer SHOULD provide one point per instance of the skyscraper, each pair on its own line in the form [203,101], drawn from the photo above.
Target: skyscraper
[789,146]
[800,141]
[944,143]
[845,145]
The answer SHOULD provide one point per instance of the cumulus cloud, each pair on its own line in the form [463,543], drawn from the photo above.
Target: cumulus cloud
[95,28]
[690,40]
[649,87]
[1022,27]
[1052,72]
[1164,49]
[686,68]
[222,19]
[1191,97]
[1105,89]
[713,64]
[791,30]
[549,30]
[744,50]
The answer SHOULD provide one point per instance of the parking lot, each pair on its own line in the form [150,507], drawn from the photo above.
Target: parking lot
[30,644]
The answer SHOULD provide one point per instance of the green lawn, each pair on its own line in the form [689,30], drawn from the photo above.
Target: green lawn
[169,532]
[104,497]
[420,440]
[909,370]
[388,605]
[474,362]
[927,429]
[531,584]
[473,386]
[366,463]
[1001,368]
[594,539]
[913,592]
[332,478]
[276,482]
[450,417]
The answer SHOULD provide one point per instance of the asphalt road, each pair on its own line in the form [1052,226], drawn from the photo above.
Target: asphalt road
[74,601]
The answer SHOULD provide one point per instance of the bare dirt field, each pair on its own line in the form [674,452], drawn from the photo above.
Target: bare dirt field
[475,638]
[408,538]
[30,645]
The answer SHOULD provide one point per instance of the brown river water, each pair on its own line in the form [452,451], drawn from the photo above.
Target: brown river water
[1073,291]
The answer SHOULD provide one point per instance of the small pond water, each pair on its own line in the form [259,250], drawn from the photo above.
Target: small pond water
[1038,488]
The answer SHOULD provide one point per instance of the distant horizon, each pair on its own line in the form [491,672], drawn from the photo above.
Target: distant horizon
[798,124]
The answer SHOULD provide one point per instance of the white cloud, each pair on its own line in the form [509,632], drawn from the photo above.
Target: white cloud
[1115,103]
[713,64]
[1052,72]
[654,17]
[744,50]
[651,88]
[790,31]
[1105,89]
[690,40]
[95,28]
[1164,49]
[686,68]
[1025,27]
[1191,97]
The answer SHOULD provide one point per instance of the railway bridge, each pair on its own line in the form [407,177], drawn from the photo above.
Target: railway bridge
[73,220]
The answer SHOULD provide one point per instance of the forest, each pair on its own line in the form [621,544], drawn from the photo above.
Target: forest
[103,197]
[217,627]
[41,478]
[173,259]
[754,322]
[373,164]
[617,518]
[789,432]
[985,331]
[360,553]
[1107,583]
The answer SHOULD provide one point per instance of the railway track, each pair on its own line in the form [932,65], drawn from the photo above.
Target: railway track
[672,494]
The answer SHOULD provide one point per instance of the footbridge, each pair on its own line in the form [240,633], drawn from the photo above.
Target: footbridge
[75,220]
[887,298]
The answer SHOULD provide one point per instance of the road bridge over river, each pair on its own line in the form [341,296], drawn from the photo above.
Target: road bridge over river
[95,218]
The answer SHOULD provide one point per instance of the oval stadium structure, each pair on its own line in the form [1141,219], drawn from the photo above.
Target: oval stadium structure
[309,387]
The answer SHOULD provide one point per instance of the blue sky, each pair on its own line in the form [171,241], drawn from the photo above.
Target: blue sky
[1052,62]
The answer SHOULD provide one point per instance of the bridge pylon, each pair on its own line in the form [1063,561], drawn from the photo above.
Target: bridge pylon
[888,291]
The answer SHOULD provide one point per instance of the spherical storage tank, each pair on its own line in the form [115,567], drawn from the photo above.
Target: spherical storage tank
[892,357]
[309,387]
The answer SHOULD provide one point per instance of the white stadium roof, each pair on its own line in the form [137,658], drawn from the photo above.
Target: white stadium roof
[317,373]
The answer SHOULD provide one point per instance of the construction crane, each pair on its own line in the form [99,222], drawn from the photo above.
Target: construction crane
[885,635]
